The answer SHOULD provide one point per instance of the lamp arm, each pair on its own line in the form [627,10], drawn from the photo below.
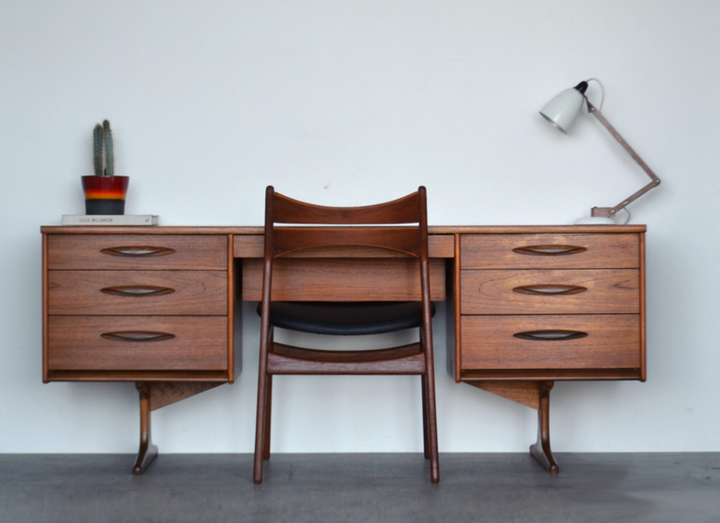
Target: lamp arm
[655,181]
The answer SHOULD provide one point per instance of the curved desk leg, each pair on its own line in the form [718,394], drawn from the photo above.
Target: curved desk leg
[541,449]
[147,451]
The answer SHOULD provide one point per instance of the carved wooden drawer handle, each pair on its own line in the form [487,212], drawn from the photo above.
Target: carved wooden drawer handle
[550,335]
[137,291]
[138,251]
[549,250]
[137,336]
[550,290]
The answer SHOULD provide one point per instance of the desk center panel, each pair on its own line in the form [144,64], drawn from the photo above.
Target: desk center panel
[308,279]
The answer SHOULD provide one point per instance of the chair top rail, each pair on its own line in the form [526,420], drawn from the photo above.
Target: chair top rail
[405,240]
[402,210]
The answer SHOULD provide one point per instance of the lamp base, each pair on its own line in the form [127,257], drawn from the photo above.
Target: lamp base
[595,220]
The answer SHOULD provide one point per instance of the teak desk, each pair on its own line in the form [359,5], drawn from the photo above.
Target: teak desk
[527,306]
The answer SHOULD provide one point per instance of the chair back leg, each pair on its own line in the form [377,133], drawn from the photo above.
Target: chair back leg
[262,424]
[429,410]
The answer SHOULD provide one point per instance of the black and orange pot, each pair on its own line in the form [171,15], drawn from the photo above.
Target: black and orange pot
[105,194]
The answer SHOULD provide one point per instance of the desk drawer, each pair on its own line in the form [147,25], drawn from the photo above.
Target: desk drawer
[137,293]
[526,342]
[615,291]
[137,343]
[137,252]
[550,251]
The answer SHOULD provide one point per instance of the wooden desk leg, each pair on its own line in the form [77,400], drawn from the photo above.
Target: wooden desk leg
[541,449]
[147,451]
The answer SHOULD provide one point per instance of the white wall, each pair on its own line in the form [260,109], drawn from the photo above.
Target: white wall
[351,102]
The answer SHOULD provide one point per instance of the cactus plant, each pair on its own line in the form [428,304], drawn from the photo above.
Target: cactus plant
[104,192]
[97,149]
[103,157]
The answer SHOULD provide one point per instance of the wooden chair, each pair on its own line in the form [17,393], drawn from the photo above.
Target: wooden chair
[346,318]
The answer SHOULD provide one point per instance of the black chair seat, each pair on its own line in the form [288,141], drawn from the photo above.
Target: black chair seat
[347,318]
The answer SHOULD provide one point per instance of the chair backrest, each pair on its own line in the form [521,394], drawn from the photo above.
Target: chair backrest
[411,209]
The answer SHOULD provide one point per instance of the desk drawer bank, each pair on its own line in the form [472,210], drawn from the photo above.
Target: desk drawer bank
[147,305]
[534,305]
[527,306]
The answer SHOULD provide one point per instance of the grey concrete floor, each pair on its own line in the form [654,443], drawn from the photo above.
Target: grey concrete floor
[677,488]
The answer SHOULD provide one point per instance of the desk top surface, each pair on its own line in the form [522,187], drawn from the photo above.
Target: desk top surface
[433,229]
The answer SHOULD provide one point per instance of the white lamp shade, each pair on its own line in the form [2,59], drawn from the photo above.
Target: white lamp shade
[562,110]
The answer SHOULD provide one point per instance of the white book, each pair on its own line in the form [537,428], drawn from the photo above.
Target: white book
[110,219]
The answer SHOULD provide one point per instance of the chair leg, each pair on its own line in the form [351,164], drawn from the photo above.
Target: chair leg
[429,388]
[268,416]
[426,446]
[260,426]
[432,430]
[261,423]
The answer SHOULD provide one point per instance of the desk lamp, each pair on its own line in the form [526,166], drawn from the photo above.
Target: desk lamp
[562,111]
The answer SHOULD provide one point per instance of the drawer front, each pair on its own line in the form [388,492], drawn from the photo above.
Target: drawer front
[531,342]
[550,251]
[615,291]
[137,252]
[137,293]
[137,344]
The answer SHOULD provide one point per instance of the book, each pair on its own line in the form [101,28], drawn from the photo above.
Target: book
[110,219]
